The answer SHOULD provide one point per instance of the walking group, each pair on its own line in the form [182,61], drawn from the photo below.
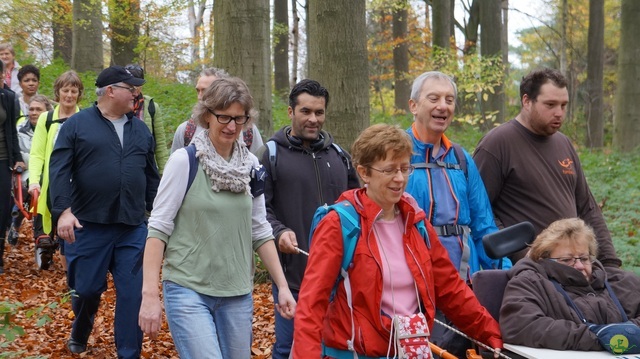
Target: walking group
[177,221]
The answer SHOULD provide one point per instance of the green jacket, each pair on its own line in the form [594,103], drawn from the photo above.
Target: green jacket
[156,125]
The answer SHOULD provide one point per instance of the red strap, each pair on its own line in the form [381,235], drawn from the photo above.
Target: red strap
[189,131]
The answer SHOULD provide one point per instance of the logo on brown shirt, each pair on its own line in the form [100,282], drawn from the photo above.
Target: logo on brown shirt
[567,166]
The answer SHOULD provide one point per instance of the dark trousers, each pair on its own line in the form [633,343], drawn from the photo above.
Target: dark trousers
[284,329]
[99,248]
[448,340]
[5,203]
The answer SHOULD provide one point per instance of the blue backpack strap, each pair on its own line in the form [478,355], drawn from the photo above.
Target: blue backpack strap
[422,228]
[350,222]
[273,147]
[193,165]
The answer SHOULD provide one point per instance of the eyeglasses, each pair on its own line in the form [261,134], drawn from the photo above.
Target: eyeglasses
[225,119]
[133,90]
[571,261]
[390,172]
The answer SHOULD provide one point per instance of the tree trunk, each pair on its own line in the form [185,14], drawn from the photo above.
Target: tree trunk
[124,22]
[491,46]
[295,32]
[442,20]
[62,12]
[505,36]
[195,17]
[242,47]
[87,48]
[338,60]
[427,15]
[402,87]
[563,37]
[626,136]
[471,30]
[281,48]
[595,75]
[308,35]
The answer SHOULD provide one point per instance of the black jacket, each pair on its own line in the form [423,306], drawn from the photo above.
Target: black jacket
[100,179]
[11,106]
[305,180]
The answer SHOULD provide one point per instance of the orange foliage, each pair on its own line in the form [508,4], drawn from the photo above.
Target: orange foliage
[23,282]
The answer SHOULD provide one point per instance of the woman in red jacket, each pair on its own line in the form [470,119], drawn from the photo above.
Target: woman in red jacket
[395,272]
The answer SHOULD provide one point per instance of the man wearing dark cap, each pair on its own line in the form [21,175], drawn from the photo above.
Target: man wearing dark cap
[103,179]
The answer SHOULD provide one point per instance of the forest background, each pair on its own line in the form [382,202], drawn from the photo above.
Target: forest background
[366,52]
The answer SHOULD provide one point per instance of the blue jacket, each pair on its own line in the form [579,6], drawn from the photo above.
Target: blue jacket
[474,208]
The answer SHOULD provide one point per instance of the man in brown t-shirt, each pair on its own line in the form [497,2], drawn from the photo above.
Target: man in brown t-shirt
[531,170]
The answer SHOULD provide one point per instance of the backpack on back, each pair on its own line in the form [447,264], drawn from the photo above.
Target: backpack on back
[350,223]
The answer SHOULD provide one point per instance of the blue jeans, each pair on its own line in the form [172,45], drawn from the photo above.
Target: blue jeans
[98,249]
[284,329]
[208,327]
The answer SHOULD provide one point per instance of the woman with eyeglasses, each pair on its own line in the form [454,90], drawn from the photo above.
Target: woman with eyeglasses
[396,275]
[207,234]
[536,313]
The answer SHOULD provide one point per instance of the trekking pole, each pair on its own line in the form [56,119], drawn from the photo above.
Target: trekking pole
[473,340]
[442,353]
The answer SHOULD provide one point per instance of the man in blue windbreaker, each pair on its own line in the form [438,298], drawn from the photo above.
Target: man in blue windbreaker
[448,186]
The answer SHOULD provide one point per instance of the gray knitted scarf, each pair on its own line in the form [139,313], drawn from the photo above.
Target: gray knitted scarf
[232,175]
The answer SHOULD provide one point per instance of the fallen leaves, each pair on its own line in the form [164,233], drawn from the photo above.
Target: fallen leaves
[36,289]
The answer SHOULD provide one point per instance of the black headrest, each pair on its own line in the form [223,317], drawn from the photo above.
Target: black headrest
[509,240]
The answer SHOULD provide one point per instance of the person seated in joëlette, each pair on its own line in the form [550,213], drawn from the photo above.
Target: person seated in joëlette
[537,312]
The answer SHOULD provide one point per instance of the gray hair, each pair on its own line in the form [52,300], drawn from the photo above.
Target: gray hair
[100,91]
[416,89]
[214,71]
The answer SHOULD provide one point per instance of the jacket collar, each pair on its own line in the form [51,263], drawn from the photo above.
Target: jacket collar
[370,210]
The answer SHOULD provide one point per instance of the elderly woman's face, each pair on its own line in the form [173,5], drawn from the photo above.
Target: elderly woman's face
[387,179]
[35,109]
[574,255]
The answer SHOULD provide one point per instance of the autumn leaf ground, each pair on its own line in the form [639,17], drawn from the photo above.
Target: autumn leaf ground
[23,282]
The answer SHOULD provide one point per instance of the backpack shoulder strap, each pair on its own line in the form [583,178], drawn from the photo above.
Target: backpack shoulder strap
[152,109]
[189,131]
[344,157]
[350,222]
[49,122]
[152,112]
[193,165]
[461,165]
[462,159]
[272,147]
[423,232]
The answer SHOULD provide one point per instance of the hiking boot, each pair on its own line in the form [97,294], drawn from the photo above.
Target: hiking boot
[12,238]
[44,241]
[75,346]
